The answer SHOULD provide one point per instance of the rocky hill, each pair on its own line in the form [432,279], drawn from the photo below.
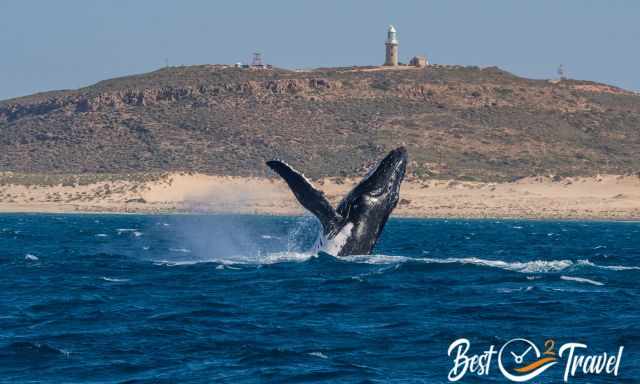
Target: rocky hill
[457,122]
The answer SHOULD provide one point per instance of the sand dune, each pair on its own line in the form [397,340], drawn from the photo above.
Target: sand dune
[601,197]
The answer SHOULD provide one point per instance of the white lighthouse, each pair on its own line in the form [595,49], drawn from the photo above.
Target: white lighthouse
[391,57]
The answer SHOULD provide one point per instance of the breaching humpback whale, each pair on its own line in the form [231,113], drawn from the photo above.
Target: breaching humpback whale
[354,227]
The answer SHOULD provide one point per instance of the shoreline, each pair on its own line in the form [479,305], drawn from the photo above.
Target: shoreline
[267,214]
[599,198]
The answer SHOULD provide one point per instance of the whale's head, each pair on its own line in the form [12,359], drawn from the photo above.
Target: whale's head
[381,187]
[383,184]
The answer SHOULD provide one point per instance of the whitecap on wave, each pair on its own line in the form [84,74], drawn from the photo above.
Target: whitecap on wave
[113,279]
[226,266]
[272,258]
[318,354]
[581,280]
[529,267]
[512,290]
[181,250]
[587,263]
[534,266]
[125,230]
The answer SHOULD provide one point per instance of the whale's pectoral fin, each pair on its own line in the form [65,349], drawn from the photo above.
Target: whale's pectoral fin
[310,198]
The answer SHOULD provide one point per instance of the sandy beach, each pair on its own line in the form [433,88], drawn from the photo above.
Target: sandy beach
[606,197]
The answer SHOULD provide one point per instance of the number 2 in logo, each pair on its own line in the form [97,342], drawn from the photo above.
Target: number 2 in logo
[549,347]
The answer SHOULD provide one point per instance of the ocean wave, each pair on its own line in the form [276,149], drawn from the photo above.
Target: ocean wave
[535,266]
[318,354]
[581,280]
[181,250]
[114,280]
[588,263]
[272,258]
[122,230]
[172,263]
[225,266]
[512,290]
[528,267]
[380,259]
[31,350]
[286,257]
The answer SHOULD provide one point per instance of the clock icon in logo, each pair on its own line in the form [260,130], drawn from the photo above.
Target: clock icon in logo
[520,360]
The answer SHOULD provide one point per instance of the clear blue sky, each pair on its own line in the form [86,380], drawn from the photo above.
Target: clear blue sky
[66,44]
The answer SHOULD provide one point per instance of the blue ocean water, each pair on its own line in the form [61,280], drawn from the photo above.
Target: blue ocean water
[234,299]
